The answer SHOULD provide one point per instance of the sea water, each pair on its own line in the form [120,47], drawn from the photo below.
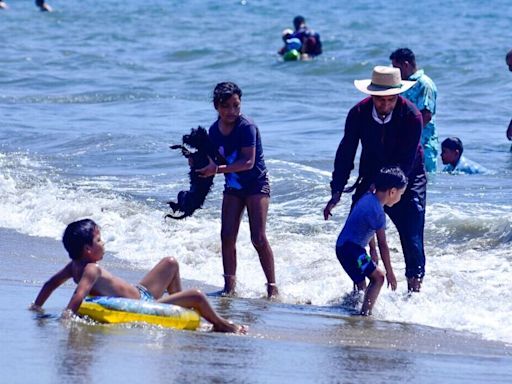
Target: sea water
[92,95]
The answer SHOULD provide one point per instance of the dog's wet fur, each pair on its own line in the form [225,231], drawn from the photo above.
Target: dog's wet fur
[196,147]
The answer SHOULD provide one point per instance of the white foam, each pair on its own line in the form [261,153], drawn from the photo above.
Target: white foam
[469,264]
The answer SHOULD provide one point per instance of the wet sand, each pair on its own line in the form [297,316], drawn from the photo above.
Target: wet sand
[286,343]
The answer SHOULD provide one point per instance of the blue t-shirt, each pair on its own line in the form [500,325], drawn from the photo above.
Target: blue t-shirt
[244,134]
[367,217]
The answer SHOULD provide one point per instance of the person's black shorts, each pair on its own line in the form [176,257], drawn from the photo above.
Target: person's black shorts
[258,188]
[355,261]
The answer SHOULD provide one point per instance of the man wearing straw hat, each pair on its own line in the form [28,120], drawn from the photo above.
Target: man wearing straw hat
[389,130]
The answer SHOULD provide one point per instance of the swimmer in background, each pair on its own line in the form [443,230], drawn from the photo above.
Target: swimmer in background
[39,3]
[455,162]
[311,43]
[43,6]
[292,46]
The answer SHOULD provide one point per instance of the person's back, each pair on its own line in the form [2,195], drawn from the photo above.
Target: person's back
[311,43]
[424,95]
[366,217]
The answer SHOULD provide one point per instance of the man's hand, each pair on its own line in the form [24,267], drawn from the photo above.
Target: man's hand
[331,204]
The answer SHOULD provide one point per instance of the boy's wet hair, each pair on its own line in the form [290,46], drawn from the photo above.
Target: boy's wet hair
[454,144]
[223,91]
[77,235]
[392,177]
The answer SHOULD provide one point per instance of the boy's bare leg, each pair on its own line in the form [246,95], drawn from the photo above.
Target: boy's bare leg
[165,276]
[193,298]
[232,210]
[372,292]
[257,209]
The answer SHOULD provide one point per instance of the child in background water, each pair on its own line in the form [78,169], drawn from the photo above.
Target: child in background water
[455,163]
[292,46]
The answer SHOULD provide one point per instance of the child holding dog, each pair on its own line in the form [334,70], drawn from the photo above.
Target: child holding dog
[238,142]
[366,219]
[82,240]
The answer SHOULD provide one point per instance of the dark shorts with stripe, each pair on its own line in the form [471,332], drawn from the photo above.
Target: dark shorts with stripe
[355,261]
[259,188]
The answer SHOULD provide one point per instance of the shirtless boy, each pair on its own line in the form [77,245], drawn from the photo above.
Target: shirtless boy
[82,240]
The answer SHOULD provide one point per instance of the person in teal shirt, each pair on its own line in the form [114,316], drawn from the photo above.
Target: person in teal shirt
[423,94]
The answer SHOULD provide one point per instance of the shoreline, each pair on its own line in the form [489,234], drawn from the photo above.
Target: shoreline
[285,342]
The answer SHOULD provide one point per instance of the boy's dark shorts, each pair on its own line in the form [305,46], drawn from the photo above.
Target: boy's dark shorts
[258,188]
[355,261]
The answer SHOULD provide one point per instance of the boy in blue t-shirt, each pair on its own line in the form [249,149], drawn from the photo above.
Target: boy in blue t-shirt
[366,219]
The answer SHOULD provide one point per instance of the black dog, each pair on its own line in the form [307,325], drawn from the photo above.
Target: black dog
[189,201]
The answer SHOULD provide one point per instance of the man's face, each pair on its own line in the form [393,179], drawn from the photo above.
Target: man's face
[384,104]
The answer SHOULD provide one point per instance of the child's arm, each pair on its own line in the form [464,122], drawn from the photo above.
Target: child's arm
[51,285]
[89,277]
[386,260]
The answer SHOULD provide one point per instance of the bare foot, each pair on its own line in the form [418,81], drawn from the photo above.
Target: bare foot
[229,285]
[272,291]
[230,327]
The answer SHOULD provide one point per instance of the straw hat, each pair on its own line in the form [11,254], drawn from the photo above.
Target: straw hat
[385,81]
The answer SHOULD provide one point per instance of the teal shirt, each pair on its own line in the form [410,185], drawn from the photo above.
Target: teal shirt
[465,166]
[424,94]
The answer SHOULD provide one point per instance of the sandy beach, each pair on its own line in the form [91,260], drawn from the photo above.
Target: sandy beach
[286,343]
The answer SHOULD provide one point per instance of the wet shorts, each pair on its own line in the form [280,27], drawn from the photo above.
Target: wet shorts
[145,295]
[260,188]
[355,261]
